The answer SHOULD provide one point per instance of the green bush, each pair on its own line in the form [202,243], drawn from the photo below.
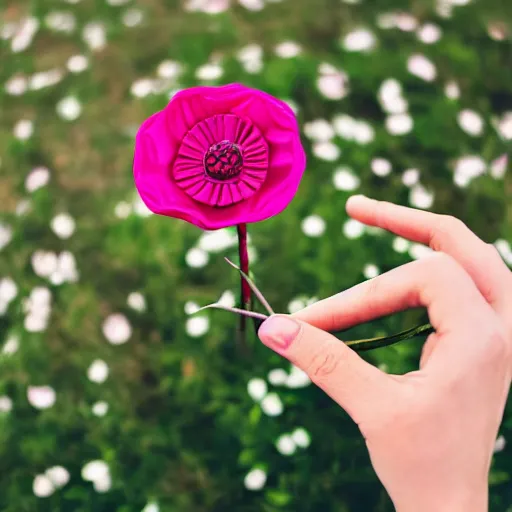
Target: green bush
[181,430]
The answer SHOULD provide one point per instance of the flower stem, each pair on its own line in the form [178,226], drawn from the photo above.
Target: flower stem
[245,289]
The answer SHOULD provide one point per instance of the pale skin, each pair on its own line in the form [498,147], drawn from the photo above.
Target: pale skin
[430,433]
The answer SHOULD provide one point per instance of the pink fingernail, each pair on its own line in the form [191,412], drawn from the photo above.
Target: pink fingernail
[278,332]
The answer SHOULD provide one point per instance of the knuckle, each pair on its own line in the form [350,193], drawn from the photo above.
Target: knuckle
[446,229]
[325,363]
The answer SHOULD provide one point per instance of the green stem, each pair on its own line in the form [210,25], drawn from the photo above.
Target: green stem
[385,341]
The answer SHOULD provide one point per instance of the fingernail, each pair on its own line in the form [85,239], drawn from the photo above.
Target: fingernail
[278,332]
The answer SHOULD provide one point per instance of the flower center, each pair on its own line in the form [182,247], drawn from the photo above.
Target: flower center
[223,161]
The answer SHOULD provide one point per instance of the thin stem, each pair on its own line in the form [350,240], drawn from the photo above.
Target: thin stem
[254,288]
[386,341]
[243,312]
[245,290]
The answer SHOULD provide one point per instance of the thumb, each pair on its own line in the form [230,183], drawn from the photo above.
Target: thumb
[360,388]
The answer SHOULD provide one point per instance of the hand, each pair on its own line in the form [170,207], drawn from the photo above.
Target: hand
[430,433]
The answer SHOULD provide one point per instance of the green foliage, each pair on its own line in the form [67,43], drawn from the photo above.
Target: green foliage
[181,429]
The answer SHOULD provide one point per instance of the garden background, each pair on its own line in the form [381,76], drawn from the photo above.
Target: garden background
[112,398]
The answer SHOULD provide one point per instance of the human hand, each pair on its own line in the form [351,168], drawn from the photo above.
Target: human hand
[430,433]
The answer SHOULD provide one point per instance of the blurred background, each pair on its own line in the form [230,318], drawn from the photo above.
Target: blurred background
[112,398]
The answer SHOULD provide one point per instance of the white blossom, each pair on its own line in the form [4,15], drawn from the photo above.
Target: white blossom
[252,5]
[296,305]
[41,397]
[467,168]
[353,229]
[452,90]
[77,63]
[69,108]
[63,225]
[421,67]
[255,479]
[500,444]
[420,197]
[227,299]
[297,378]
[405,21]
[11,345]
[209,72]
[8,290]
[23,129]
[25,34]
[58,475]
[332,82]
[313,226]
[42,486]
[277,377]
[429,33]
[345,179]
[136,301]
[5,404]
[94,35]
[142,87]
[197,326]
[286,445]
[319,130]
[5,235]
[45,79]
[151,507]
[363,133]
[217,241]
[117,329]
[97,472]
[98,371]
[417,251]
[401,245]
[504,126]
[399,124]
[288,50]
[191,307]
[359,40]
[410,177]
[381,167]
[38,177]
[370,271]
[132,17]
[471,122]
[196,258]
[499,166]
[44,263]
[327,151]
[271,405]
[16,85]
[169,69]
[301,437]
[257,389]
[122,210]
[61,21]
[100,409]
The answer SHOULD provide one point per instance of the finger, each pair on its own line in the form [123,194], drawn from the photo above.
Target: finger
[442,233]
[437,282]
[361,389]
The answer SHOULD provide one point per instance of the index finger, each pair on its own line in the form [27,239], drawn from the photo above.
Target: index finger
[442,233]
[438,283]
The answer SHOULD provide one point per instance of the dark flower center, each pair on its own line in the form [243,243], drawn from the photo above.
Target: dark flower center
[223,161]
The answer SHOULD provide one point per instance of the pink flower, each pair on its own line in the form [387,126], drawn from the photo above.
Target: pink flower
[219,156]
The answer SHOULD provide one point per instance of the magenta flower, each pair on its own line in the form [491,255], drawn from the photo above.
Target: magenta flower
[219,156]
